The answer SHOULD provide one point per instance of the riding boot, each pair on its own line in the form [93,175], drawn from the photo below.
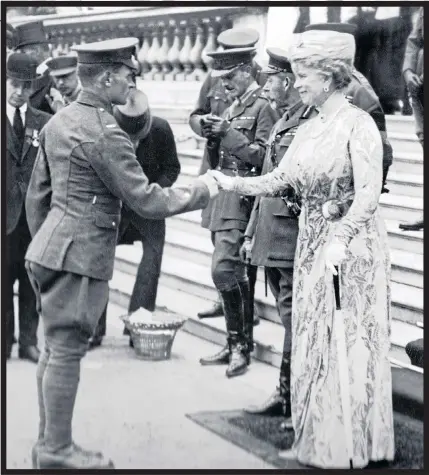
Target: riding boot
[215,311]
[285,391]
[234,316]
[221,357]
[252,272]
[246,296]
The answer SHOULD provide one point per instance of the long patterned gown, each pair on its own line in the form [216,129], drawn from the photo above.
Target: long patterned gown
[334,155]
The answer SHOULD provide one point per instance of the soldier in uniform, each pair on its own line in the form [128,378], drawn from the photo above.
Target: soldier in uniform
[23,127]
[63,71]
[213,99]
[271,235]
[32,40]
[236,146]
[361,94]
[86,167]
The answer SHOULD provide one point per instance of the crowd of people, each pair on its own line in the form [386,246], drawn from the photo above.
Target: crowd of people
[296,158]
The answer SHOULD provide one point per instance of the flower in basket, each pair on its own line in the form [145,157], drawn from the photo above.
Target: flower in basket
[141,316]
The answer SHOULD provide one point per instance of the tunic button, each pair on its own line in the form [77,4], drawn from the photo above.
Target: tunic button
[113,223]
[101,109]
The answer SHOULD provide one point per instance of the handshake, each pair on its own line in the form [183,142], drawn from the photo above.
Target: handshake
[215,181]
[214,127]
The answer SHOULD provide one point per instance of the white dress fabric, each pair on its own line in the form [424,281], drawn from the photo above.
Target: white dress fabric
[334,155]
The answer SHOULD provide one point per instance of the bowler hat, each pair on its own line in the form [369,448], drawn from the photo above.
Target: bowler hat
[133,116]
[118,50]
[225,62]
[62,65]
[21,67]
[278,62]
[238,38]
[31,33]
[339,27]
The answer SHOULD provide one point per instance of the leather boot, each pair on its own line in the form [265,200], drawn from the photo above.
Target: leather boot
[221,357]
[252,272]
[417,226]
[285,391]
[215,311]
[73,457]
[234,316]
[248,314]
[272,406]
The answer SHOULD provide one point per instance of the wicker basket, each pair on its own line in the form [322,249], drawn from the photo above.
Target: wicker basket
[153,340]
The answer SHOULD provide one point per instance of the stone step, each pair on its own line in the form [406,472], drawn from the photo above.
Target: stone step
[401,208]
[195,279]
[404,184]
[403,142]
[407,268]
[268,336]
[407,162]
[400,123]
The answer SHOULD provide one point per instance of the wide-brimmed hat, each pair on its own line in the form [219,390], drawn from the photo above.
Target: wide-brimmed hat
[133,116]
[323,44]
[62,65]
[21,67]
[30,33]
[278,62]
[238,38]
[118,50]
[225,62]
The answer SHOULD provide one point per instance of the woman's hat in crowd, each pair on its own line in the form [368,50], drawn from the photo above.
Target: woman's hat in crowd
[278,62]
[238,38]
[117,50]
[225,62]
[30,33]
[21,67]
[323,44]
[62,65]
[339,27]
[133,116]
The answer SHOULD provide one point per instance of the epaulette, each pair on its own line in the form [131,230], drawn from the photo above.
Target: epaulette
[107,120]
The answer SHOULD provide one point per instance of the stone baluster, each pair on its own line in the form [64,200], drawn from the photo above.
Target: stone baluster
[184,55]
[144,53]
[210,45]
[163,54]
[224,24]
[173,55]
[195,57]
[58,50]
[153,54]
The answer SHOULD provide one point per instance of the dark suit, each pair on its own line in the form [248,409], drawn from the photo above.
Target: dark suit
[157,155]
[42,88]
[18,173]
[272,225]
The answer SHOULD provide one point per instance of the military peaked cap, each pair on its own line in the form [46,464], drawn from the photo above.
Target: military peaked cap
[278,62]
[62,65]
[21,67]
[238,38]
[339,27]
[225,62]
[118,50]
[30,33]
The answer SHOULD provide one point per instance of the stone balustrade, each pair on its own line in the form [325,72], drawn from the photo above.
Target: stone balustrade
[173,41]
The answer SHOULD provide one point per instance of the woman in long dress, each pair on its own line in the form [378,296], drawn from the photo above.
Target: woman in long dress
[335,158]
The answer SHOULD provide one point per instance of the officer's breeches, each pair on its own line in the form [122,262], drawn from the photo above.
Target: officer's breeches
[227,267]
[70,306]
[280,281]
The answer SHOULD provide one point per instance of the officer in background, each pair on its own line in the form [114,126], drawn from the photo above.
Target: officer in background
[156,153]
[11,38]
[361,94]
[272,232]
[213,99]
[236,146]
[32,40]
[413,75]
[63,71]
[85,169]
[23,126]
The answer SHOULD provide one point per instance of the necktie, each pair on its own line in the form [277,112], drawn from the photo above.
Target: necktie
[18,127]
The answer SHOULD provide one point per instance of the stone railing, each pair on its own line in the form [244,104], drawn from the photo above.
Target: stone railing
[173,41]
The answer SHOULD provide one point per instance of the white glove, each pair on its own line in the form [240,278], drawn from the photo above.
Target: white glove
[224,182]
[335,254]
[211,184]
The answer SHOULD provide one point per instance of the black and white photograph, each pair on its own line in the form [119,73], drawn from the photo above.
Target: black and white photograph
[212,241]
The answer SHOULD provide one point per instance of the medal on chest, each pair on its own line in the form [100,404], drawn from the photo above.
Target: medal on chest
[35,138]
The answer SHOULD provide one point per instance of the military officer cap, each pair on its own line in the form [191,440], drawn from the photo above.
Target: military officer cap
[21,67]
[238,38]
[225,62]
[118,50]
[133,116]
[339,27]
[278,62]
[30,34]
[62,65]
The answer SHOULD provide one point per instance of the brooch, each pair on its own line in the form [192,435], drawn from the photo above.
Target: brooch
[35,138]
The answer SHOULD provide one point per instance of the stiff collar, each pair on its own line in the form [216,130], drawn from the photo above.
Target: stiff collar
[248,92]
[92,99]
[10,111]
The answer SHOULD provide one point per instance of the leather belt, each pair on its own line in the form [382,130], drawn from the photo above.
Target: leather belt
[232,164]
